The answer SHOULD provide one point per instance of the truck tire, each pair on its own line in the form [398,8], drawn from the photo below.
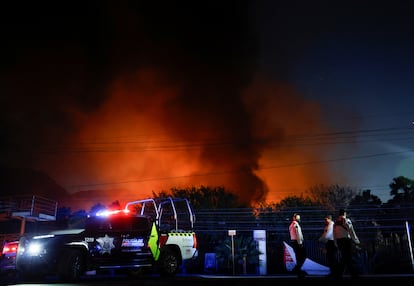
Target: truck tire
[71,265]
[169,263]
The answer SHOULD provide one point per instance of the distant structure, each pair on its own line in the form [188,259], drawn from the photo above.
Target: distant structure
[25,208]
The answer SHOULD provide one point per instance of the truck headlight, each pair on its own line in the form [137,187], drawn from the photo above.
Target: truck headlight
[34,249]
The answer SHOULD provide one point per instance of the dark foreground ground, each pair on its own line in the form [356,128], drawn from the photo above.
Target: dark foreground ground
[214,280]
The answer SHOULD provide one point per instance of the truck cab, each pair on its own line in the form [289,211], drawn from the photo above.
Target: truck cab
[173,240]
[149,234]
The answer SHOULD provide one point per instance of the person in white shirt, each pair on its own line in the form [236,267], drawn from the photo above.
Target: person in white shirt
[297,242]
[330,247]
[345,237]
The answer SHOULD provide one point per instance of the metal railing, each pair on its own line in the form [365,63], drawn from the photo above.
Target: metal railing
[32,207]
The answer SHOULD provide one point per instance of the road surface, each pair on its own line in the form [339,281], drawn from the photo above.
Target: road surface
[220,280]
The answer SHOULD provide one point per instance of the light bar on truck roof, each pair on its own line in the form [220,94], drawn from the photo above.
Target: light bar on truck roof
[106,213]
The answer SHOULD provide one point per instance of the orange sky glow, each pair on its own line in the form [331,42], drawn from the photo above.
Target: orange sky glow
[145,139]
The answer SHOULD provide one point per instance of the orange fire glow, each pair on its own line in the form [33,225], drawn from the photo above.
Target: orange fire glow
[145,138]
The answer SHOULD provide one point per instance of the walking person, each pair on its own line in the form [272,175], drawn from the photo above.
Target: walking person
[345,237]
[297,241]
[327,238]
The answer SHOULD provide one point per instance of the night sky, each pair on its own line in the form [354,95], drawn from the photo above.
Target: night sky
[265,98]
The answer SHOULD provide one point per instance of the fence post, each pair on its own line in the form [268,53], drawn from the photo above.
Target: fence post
[407,227]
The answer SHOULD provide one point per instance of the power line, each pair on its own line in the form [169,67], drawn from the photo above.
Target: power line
[240,171]
[342,137]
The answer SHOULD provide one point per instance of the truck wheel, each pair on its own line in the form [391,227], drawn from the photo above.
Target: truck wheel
[169,263]
[71,265]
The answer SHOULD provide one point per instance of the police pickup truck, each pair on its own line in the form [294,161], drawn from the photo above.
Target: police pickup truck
[146,235]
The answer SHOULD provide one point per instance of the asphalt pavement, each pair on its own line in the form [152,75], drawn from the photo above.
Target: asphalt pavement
[220,280]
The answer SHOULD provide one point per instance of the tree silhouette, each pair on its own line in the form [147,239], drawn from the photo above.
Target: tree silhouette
[367,199]
[115,205]
[205,197]
[96,208]
[333,196]
[294,202]
[402,190]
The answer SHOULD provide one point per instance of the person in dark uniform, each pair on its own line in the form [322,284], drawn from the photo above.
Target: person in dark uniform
[297,241]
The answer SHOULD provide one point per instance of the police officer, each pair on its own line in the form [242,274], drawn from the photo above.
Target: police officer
[296,238]
[345,237]
[330,247]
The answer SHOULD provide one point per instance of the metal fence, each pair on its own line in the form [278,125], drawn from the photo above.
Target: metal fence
[384,233]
